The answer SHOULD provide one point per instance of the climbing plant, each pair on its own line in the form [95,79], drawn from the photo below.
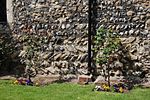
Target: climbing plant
[31,53]
[105,44]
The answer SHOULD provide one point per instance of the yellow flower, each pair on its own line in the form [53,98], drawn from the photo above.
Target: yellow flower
[16,82]
[121,89]
[36,84]
[104,85]
[107,88]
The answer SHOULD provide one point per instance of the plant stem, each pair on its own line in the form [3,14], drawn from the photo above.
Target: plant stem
[108,70]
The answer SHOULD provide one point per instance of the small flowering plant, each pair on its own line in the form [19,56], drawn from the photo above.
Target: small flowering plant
[102,87]
[23,82]
[118,87]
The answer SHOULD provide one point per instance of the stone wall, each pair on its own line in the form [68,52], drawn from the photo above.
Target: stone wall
[60,27]
[130,19]
[60,30]
[126,17]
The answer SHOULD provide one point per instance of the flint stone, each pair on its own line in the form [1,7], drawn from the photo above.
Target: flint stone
[69,77]
[46,56]
[147,24]
[72,69]
[81,49]
[118,64]
[83,71]
[64,71]
[73,58]
[135,18]
[52,70]
[121,33]
[99,79]
[63,26]
[133,57]
[45,63]
[130,13]
[131,32]
[129,40]
[138,65]
[84,57]
[34,1]
[57,56]
[115,79]
[41,1]
[70,48]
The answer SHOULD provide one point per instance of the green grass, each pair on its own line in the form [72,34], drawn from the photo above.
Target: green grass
[65,91]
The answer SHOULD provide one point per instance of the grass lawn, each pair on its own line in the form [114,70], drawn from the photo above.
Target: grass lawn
[65,91]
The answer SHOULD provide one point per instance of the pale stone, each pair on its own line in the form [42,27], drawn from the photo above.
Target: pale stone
[147,24]
[130,13]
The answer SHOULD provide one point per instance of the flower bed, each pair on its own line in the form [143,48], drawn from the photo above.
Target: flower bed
[117,87]
[24,81]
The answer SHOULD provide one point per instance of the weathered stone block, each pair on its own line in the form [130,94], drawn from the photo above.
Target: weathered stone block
[84,79]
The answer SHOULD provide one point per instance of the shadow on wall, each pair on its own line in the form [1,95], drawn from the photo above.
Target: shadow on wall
[9,61]
[8,52]
[132,69]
